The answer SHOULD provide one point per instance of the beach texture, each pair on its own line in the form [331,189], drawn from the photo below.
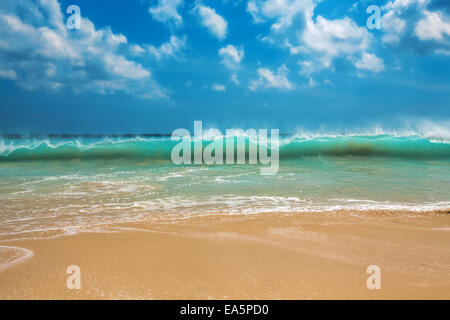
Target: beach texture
[269,256]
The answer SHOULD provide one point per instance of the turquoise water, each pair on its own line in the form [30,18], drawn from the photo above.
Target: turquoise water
[60,185]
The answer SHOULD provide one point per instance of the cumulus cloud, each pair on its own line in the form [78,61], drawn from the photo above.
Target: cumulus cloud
[137,50]
[413,26]
[219,87]
[295,26]
[397,14]
[334,38]
[167,11]
[268,79]
[214,22]
[169,49]
[370,62]
[282,11]
[253,10]
[38,51]
[306,68]
[393,27]
[432,27]
[231,56]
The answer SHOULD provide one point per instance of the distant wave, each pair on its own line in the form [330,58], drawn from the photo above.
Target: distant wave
[377,145]
[159,147]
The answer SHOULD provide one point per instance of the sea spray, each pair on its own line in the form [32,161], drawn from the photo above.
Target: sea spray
[159,148]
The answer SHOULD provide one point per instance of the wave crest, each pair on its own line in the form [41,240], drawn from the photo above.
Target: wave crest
[159,148]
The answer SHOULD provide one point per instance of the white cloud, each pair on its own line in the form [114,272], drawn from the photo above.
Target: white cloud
[137,50]
[253,10]
[38,51]
[370,62]
[167,11]
[268,79]
[296,27]
[333,38]
[169,49]
[432,27]
[231,56]
[215,23]
[393,27]
[403,4]
[407,23]
[306,68]
[218,87]
[392,23]
[283,11]
[124,68]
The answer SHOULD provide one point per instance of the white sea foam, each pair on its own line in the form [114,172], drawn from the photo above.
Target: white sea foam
[19,256]
[71,219]
[434,131]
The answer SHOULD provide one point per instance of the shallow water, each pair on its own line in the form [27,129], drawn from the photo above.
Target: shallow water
[57,186]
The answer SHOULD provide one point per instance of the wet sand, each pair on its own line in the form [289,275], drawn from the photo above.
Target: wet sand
[264,256]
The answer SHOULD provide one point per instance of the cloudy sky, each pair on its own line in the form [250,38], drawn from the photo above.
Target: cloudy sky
[151,66]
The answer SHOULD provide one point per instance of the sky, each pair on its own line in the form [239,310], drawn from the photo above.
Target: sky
[152,66]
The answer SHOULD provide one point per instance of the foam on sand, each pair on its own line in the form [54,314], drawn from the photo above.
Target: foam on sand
[11,256]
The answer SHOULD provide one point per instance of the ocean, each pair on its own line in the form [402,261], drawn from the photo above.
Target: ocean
[65,184]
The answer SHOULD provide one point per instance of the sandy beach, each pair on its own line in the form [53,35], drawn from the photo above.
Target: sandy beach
[225,150]
[263,256]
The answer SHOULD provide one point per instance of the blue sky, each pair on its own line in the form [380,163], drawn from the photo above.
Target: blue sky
[151,66]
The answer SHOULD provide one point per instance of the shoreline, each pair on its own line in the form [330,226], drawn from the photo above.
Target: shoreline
[264,256]
[6,261]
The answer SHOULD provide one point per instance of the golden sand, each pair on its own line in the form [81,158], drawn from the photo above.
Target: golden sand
[264,256]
